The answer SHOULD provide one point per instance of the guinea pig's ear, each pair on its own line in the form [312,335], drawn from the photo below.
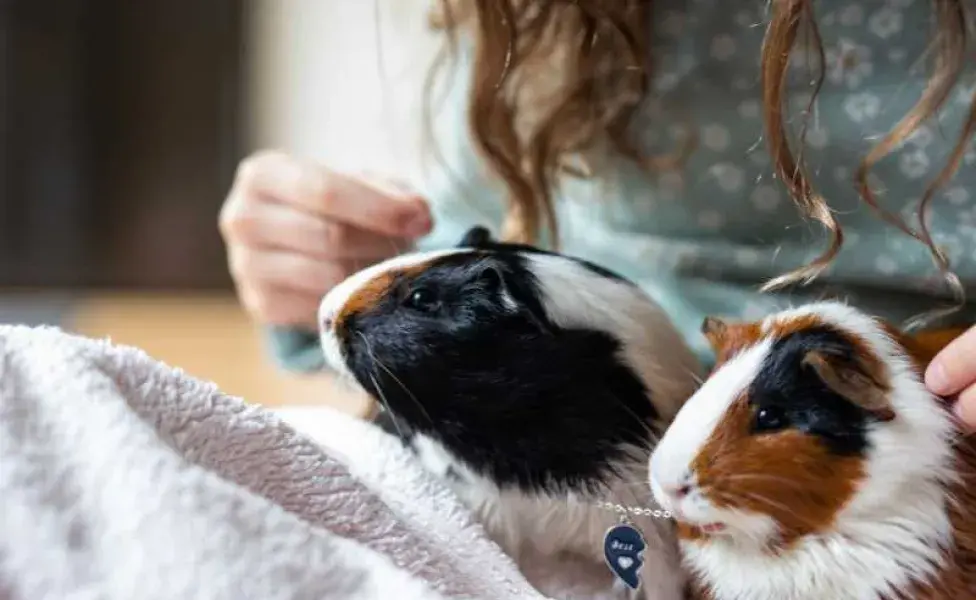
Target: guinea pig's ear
[716,332]
[475,237]
[855,380]
[492,277]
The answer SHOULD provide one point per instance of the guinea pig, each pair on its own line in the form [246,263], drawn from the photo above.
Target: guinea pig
[533,383]
[813,464]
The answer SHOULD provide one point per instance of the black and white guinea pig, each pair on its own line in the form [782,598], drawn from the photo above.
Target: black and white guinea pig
[813,464]
[534,383]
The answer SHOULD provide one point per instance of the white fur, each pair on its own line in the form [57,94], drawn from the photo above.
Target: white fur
[572,295]
[577,296]
[548,525]
[891,533]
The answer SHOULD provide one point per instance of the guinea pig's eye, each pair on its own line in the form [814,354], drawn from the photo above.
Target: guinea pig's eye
[422,299]
[770,418]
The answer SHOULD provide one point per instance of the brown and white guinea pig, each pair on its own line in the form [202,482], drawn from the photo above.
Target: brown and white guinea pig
[813,464]
[533,383]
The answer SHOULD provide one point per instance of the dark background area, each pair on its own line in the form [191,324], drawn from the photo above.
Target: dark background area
[121,125]
[120,128]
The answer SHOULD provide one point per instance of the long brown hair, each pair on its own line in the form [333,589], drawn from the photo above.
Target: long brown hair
[595,56]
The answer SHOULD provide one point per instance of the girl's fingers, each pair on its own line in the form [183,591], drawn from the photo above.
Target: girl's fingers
[279,226]
[334,196]
[282,306]
[261,269]
[954,369]
[965,407]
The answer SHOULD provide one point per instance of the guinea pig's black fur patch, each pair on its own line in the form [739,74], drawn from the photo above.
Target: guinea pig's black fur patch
[801,400]
[513,395]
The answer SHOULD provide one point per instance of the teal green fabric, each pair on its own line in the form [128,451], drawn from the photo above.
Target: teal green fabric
[295,350]
[701,241]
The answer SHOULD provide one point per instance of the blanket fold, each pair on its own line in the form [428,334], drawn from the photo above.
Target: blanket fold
[122,478]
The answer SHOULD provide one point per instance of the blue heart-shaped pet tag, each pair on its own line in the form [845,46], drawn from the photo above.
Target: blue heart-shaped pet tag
[622,547]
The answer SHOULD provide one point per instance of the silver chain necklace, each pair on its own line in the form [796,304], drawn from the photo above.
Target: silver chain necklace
[634,510]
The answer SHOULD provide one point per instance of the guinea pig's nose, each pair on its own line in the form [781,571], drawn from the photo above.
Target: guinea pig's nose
[328,321]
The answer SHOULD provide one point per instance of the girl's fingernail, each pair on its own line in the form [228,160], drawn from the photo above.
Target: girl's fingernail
[961,413]
[418,225]
[936,378]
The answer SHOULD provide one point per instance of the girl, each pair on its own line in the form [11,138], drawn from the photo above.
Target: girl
[715,152]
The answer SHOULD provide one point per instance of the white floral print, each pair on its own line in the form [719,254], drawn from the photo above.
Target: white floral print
[710,219]
[765,198]
[749,109]
[966,94]
[818,137]
[745,18]
[886,265]
[716,137]
[746,257]
[673,23]
[758,157]
[862,107]
[733,214]
[885,22]
[730,177]
[852,15]
[921,137]
[897,55]
[957,196]
[914,163]
[848,63]
[723,47]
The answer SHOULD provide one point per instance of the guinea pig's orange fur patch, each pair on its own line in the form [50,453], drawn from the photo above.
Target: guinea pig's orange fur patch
[788,475]
[370,293]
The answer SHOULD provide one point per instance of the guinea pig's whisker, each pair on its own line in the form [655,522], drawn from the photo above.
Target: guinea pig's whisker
[786,509]
[386,405]
[404,388]
[347,379]
[699,381]
[378,363]
[773,504]
[652,435]
[761,477]
[639,485]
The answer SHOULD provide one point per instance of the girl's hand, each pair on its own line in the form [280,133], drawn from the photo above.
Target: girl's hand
[295,230]
[952,374]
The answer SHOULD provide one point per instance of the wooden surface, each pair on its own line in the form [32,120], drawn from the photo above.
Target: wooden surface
[211,338]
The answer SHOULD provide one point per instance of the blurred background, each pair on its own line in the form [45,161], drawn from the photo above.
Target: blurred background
[121,125]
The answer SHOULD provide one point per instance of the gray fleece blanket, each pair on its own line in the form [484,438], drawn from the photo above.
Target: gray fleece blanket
[122,479]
